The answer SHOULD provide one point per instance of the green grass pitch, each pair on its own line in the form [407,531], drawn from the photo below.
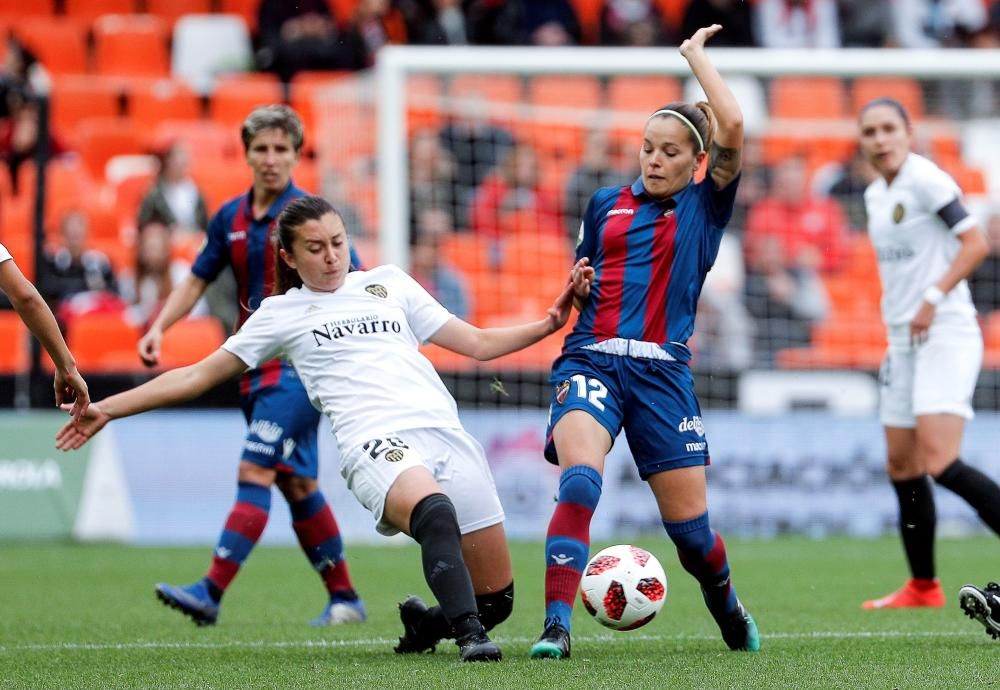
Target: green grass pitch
[85,616]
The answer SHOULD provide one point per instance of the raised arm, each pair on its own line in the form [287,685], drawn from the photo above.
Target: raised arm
[37,316]
[488,343]
[169,388]
[725,156]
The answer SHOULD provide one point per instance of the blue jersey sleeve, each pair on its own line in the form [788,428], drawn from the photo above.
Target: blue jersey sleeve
[214,256]
[586,241]
[719,202]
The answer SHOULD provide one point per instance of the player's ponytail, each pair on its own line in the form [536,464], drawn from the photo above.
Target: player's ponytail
[296,214]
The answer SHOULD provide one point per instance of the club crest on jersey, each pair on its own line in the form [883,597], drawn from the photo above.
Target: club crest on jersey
[669,212]
[562,390]
[394,455]
[898,213]
[377,290]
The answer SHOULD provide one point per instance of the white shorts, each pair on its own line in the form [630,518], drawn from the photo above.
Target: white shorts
[937,377]
[456,460]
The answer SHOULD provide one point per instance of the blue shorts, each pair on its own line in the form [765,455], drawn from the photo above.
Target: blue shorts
[652,399]
[281,427]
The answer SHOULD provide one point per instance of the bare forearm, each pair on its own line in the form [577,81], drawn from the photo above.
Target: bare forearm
[39,319]
[169,388]
[496,342]
[724,104]
[969,256]
[181,300]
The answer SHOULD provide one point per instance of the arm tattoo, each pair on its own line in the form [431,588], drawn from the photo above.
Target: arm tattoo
[724,159]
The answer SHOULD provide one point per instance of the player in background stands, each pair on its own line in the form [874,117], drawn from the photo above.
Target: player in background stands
[281,446]
[927,245]
[625,364]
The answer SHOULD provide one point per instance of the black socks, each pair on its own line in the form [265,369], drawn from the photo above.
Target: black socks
[978,490]
[917,521]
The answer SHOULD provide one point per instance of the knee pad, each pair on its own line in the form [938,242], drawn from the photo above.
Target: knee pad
[495,607]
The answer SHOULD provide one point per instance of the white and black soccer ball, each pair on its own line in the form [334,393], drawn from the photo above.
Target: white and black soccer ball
[623,587]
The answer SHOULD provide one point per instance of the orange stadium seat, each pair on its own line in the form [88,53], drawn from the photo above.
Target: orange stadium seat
[565,91]
[60,43]
[13,343]
[343,10]
[99,139]
[588,12]
[204,138]
[423,95]
[303,92]
[16,235]
[499,90]
[219,180]
[128,193]
[244,8]
[641,93]
[20,8]
[172,10]
[673,12]
[89,10]
[234,98]
[104,343]
[76,98]
[131,46]
[469,254]
[808,97]
[190,340]
[149,103]
[906,91]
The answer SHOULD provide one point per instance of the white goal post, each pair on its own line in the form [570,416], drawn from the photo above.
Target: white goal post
[396,63]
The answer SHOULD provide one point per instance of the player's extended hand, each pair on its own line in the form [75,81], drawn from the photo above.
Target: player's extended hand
[921,325]
[698,40]
[77,432]
[579,280]
[69,384]
[149,347]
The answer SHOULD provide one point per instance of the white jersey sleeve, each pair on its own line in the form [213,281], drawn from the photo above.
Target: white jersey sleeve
[424,314]
[4,254]
[935,189]
[259,339]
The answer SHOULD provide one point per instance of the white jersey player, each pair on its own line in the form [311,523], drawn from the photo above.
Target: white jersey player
[353,339]
[927,245]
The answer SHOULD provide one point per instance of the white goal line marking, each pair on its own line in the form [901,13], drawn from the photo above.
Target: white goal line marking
[379,642]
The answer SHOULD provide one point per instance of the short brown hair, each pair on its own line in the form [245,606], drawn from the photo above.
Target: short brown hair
[273,117]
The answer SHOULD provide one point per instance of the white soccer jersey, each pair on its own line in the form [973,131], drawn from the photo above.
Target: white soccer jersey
[914,245]
[355,351]
[4,254]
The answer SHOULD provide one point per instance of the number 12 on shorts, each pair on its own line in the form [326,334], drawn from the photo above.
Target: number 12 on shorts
[591,390]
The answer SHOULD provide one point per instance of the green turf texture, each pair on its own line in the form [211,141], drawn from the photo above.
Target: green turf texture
[76,616]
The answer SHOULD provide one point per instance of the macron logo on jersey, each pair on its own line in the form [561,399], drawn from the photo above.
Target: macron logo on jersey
[621,212]
[237,235]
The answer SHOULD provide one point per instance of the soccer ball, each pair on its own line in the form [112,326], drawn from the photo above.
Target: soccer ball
[623,587]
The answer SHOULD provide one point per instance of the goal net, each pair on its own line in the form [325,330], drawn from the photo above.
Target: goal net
[472,167]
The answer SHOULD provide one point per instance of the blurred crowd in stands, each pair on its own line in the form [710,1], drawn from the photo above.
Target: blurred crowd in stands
[791,261]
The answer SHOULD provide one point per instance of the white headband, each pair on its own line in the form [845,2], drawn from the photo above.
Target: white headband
[701,143]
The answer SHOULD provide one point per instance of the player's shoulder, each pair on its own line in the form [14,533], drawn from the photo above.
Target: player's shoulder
[604,198]
[921,169]
[229,208]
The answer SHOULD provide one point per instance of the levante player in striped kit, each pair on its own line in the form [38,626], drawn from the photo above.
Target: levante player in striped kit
[625,365]
[281,443]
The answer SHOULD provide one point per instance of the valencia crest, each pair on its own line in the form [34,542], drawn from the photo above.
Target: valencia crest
[377,290]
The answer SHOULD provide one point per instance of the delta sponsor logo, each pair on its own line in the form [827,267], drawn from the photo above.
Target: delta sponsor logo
[30,475]
[693,424]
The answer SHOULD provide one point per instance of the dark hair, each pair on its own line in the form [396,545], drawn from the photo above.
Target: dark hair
[892,103]
[296,214]
[699,114]
[273,117]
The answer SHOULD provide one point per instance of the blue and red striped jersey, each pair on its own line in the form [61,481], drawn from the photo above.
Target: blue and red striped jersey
[237,239]
[650,257]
